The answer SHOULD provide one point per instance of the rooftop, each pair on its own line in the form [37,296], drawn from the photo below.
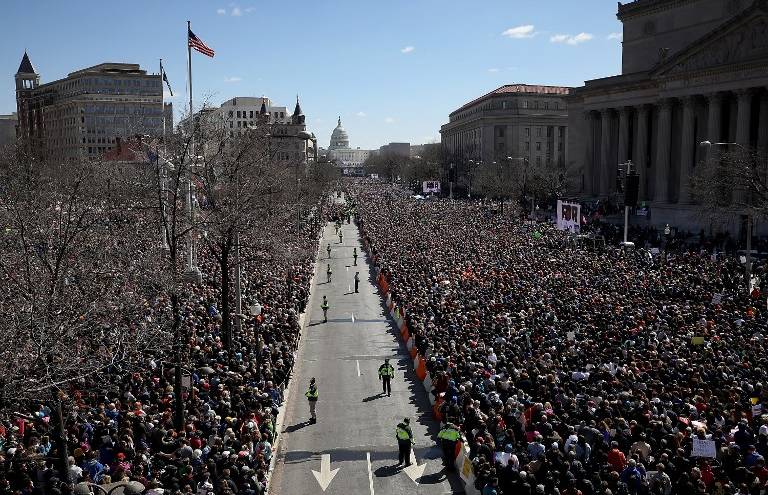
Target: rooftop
[536,89]
[111,68]
[642,6]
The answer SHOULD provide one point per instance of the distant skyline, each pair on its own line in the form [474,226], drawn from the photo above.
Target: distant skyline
[392,70]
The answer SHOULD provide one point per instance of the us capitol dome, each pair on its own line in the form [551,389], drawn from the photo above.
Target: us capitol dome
[339,138]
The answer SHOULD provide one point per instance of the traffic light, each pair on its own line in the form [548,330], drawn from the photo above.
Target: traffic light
[620,179]
[632,190]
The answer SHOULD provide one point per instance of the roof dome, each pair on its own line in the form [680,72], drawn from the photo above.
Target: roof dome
[339,138]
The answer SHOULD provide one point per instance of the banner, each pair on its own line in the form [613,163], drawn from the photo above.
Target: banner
[431,186]
[568,215]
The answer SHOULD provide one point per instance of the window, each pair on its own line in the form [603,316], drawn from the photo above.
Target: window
[527,146]
[527,132]
[230,114]
[525,103]
[550,131]
[238,116]
[546,105]
[560,146]
[538,160]
[538,145]
[538,132]
[500,131]
[560,131]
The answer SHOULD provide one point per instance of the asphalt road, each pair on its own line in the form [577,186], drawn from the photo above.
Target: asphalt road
[355,425]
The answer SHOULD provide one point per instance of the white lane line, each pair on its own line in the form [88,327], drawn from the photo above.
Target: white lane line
[349,288]
[353,317]
[358,368]
[370,473]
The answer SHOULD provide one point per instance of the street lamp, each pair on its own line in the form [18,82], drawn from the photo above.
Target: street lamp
[118,488]
[667,235]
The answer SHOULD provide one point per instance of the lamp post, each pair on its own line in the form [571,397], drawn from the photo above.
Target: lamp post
[748,268]
[667,235]
[471,167]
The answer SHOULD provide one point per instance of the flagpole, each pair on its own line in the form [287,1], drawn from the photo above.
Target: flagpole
[162,99]
[192,270]
[189,69]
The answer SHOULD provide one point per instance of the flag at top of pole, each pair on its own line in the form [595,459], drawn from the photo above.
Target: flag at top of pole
[198,44]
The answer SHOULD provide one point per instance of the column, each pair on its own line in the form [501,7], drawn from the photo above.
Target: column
[744,101]
[687,152]
[623,135]
[589,158]
[715,104]
[762,131]
[662,151]
[605,152]
[641,148]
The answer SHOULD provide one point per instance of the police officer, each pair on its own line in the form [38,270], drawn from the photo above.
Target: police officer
[328,273]
[328,250]
[325,307]
[404,442]
[357,281]
[354,255]
[341,236]
[386,372]
[312,396]
[448,437]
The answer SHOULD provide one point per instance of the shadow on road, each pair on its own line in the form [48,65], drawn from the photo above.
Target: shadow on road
[296,427]
[387,471]
[373,397]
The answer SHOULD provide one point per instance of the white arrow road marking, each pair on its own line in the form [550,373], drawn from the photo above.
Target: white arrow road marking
[358,368]
[325,476]
[370,473]
[414,471]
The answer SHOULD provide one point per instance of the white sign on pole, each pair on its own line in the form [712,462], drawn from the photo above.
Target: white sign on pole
[717,299]
[703,448]
[431,186]
[568,216]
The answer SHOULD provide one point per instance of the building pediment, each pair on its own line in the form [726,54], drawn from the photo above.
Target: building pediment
[743,39]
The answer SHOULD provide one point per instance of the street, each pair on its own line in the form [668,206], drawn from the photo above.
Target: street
[352,448]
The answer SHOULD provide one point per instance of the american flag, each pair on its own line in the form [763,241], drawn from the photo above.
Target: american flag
[198,44]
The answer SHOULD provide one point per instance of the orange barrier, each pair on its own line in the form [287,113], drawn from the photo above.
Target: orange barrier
[421,369]
[404,332]
[413,352]
[436,408]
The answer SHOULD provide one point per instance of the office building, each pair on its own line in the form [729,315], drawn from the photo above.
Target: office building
[82,115]
[515,120]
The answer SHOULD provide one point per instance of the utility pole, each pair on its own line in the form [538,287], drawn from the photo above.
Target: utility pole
[451,178]
[749,253]
[238,287]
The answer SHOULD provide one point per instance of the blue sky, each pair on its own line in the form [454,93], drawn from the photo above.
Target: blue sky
[393,69]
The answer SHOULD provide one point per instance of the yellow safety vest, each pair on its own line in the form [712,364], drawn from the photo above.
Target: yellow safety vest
[402,434]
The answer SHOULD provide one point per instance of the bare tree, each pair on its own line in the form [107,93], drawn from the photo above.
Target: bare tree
[734,181]
[76,268]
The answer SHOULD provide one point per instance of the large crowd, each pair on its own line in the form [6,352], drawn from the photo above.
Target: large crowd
[572,370]
[119,426]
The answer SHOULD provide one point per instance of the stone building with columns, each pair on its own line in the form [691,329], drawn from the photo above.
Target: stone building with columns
[692,71]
